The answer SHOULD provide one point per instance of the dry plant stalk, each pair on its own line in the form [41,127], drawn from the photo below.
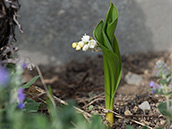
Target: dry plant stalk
[8,22]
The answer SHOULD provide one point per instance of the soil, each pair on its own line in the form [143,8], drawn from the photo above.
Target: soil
[84,83]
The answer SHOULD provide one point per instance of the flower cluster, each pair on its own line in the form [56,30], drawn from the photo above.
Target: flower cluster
[164,85]
[26,63]
[21,97]
[161,69]
[86,43]
[155,87]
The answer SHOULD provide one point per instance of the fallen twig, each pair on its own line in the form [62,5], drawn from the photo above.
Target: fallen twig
[44,85]
[123,117]
[37,96]
[93,101]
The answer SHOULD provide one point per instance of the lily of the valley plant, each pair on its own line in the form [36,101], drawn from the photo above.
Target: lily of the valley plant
[106,40]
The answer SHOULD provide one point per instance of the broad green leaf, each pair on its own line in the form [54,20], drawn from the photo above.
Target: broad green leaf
[31,105]
[104,34]
[110,73]
[163,109]
[111,22]
[27,85]
[98,35]
[96,123]
[41,122]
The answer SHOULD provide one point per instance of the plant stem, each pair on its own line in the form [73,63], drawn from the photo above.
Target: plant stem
[168,122]
[167,102]
[109,118]
[168,118]
[168,107]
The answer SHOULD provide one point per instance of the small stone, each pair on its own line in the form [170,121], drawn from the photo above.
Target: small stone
[128,113]
[162,122]
[133,79]
[146,72]
[135,108]
[144,106]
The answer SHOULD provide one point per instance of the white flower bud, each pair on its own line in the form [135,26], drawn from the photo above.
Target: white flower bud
[81,44]
[78,47]
[74,45]
[85,38]
[85,48]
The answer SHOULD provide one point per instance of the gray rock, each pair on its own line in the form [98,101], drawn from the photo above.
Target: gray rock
[50,26]
[133,79]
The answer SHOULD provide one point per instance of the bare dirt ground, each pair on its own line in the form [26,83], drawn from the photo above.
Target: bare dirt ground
[84,83]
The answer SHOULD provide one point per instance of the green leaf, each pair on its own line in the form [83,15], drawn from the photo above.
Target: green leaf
[30,82]
[111,22]
[129,127]
[98,35]
[104,34]
[31,105]
[41,122]
[145,127]
[163,109]
[96,123]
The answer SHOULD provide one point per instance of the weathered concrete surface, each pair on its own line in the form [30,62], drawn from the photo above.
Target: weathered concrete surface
[50,26]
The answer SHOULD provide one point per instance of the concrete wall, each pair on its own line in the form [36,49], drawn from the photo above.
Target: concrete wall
[50,26]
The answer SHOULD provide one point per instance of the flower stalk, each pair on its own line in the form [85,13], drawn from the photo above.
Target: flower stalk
[163,87]
[106,40]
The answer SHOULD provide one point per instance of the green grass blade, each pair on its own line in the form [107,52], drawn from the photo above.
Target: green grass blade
[27,85]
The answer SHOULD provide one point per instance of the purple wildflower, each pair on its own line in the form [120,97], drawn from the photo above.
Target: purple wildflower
[154,86]
[21,105]
[24,65]
[153,92]
[4,77]
[160,64]
[161,69]
[21,97]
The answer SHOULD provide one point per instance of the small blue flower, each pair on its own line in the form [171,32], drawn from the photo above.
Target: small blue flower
[154,86]
[21,97]
[153,92]
[24,65]
[4,77]
[21,105]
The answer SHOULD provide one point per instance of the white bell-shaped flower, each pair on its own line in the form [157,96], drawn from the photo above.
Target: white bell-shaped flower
[93,43]
[85,38]
[81,44]
[85,48]
[78,47]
